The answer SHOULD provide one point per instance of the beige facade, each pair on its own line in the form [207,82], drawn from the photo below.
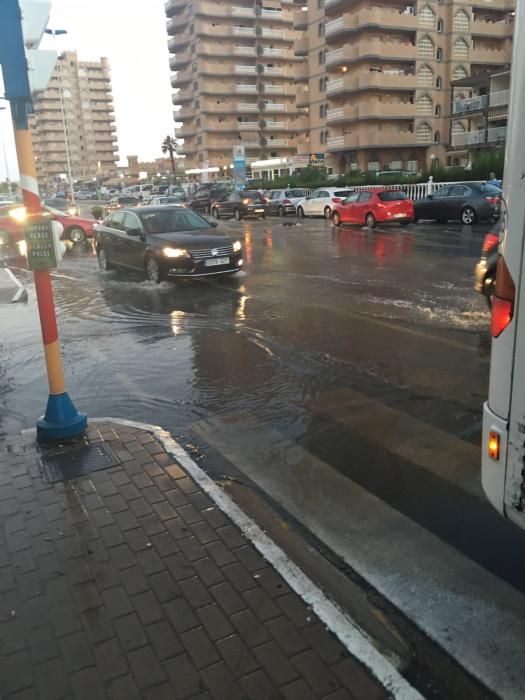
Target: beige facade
[380,75]
[236,76]
[90,121]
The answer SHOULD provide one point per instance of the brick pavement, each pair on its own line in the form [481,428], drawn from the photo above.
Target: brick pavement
[130,583]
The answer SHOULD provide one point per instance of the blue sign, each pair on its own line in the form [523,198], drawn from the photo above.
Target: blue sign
[12,52]
[239,167]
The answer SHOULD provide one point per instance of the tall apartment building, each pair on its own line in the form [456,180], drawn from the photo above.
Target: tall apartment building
[380,75]
[90,121]
[236,77]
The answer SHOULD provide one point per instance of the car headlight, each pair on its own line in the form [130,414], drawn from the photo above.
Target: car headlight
[19,214]
[175,253]
[237,246]
[72,211]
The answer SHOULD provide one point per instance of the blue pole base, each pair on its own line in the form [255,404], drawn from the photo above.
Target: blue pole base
[61,420]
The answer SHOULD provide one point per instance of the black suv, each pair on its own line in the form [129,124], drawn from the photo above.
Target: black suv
[205,196]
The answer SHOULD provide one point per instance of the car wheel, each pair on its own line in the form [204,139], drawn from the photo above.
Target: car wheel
[153,271]
[468,216]
[336,219]
[327,212]
[300,212]
[370,220]
[281,211]
[215,213]
[103,261]
[4,238]
[76,234]
[237,214]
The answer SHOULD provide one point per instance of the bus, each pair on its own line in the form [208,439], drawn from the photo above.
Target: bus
[503,446]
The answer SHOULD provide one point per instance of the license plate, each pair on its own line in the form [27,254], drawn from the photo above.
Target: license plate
[216,261]
[258,211]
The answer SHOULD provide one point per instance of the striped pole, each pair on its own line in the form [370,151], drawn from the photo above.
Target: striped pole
[61,420]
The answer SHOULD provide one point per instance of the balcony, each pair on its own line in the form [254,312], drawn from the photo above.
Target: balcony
[273,53]
[176,43]
[276,142]
[300,19]
[244,31]
[486,28]
[252,143]
[244,70]
[368,81]
[508,5]
[271,70]
[499,99]
[372,138]
[395,51]
[275,15]
[247,107]
[180,60]
[372,109]
[274,107]
[277,126]
[246,89]
[248,126]
[468,138]
[179,79]
[242,11]
[301,46]
[244,51]
[489,56]
[173,6]
[472,104]
[273,33]
[365,19]
[497,133]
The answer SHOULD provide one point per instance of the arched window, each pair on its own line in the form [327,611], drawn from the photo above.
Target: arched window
[439,54]
[424,133]
[460,49]
[459,72]
[440,25]
[425,76]
[425,48]
[458,137]
[439,82]
[437,111]
[458,128]
[424,104]
[461,22]
[437,137]
[427,18]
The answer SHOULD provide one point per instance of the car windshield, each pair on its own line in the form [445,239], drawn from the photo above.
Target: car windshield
[127,200]
[391,196]
[491,190]
[174,199]
[295,193]
[55,212]
[58,203]
[173,220]
[342,193]
[255,196]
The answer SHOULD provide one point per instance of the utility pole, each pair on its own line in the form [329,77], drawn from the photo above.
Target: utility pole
[61,419]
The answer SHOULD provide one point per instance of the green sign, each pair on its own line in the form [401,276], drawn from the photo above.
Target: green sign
[41,253]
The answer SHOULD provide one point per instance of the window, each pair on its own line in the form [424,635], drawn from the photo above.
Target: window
[440,25]
[351,198]
[423,133]
[427,18]
[322,111]
[131,221]
[322,84]
[439,54]
[437,111]
[424,105]
[320,29]
[437,137]
[392,196]
[321,57]
[461,22]
[460,49]
[321,138]
[117,220]
[425,47]
[459,72]
[365,196]
[442,192]
[425,76]
[438,83]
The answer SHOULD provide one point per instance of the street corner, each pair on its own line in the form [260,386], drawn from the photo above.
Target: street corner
[11,289]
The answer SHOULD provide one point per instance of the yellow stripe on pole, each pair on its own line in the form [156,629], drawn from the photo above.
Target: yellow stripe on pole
[55,372]
[24,149]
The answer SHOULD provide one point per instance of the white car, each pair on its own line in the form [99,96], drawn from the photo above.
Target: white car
[321,201]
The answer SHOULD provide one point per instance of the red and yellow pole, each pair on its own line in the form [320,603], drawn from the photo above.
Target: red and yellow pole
[61,420]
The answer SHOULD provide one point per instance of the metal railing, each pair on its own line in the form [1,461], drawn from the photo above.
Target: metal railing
[334,25]
[244,51]
[496,133]
[247,107]
[249,126]
[252,89]
[245,69]
[470,104]
[243,11]
[499,99]
[244,31]
[416,191]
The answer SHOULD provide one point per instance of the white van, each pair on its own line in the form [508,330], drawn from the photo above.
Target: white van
[503,448]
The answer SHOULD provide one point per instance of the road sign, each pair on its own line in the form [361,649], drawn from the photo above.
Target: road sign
[40,241]
[239,167]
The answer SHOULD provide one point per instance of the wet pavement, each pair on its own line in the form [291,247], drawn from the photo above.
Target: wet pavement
[366,352]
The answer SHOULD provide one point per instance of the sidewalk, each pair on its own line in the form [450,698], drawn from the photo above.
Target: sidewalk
[129,582]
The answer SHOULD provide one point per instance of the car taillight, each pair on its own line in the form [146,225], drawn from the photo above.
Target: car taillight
[495,201]
[490,240]
[336,200]
[286,201]
[503,300]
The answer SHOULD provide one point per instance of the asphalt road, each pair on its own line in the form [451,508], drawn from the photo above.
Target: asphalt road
[342,374]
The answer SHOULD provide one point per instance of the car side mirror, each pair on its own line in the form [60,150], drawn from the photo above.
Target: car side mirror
[134,232]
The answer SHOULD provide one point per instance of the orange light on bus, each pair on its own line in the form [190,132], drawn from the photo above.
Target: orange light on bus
[493,447]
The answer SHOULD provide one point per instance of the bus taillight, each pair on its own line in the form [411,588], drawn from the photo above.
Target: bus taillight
[503,300]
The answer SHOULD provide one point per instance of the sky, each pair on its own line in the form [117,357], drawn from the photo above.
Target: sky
[132,34]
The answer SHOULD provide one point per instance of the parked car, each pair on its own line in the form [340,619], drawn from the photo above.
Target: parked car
[466,202]
[165,242]
[177,198]
[205,196]
[321,202]
[63,205]
[374,206]
[240,204]
[76,228]
[122,200]
[485,271]
[282,202]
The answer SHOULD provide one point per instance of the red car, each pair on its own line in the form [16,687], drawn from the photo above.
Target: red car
[76,228]
[373,206]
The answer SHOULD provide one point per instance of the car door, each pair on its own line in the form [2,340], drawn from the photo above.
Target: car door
[308,204]
[457,198]
[273,204]
[349,208]
[112,236]
[133,246]
[363,207]
[322,200]
[229,202]
[435,206]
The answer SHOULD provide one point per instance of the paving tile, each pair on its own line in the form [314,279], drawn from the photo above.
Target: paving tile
[76,651]
[220,683]
[146,668]
[297,690]
[237,656]
[199,647]
[124,688]
[195,592]
[164,586]
[15,671]
[184,678]
[261,604]
[259,687]
[164,640]
[248,626]
[147,607]
[316,673]
[52,680]
[228,598]
[88,685]
[214,622]
[116,602]
[111,660]
[274,662]
[285,634]
[181,615]
[358,681]
[130,632]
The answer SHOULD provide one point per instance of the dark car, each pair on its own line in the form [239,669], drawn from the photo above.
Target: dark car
[122,200]
[240,204]
[486,267]
[165,242]
[205,196]
[467,202]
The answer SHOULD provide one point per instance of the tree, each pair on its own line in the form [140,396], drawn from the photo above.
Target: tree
[169,145]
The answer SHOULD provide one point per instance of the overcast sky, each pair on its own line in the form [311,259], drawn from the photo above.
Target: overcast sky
[132,34]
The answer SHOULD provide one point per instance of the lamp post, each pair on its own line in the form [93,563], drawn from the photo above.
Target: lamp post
[54,33]
[6,164]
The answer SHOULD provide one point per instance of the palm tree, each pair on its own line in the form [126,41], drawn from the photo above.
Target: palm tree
[169,145]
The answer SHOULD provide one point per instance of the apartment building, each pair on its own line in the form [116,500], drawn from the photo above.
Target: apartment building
[236,76]
[381,75]
[89,117]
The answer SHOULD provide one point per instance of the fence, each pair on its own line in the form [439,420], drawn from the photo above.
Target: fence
[416,191]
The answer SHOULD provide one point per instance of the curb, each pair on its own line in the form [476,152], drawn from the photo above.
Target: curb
[349,634]
[21,292]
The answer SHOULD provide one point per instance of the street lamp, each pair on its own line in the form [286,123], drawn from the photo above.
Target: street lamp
[54,33]
[6,164]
